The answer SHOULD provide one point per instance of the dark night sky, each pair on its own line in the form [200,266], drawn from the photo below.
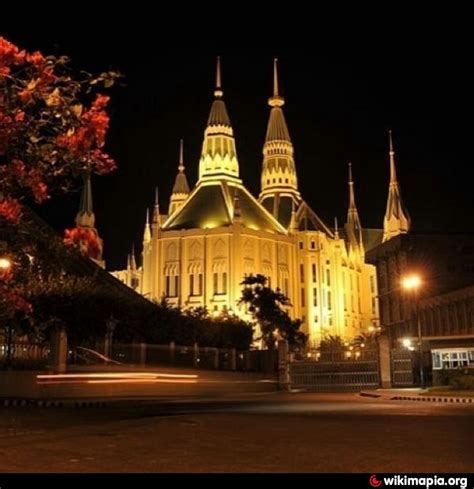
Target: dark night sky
[341,100]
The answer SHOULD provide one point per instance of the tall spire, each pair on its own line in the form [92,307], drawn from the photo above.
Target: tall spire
[279,172]
[133,260]
[181,156]
[85,218]
[156,219]
[353,226]
[352,204]
[396,221]
[393,170]
[218,93]
[276,100]
[181,186]
[147,232]
[219,155]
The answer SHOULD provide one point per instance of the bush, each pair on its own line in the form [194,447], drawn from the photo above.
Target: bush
[461,379]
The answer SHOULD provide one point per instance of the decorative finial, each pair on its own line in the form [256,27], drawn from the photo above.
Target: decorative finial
[351,181]
[157,200]
[181,156]
[393,169]
[336,228]
[275,77]
[276,100]
[218,93]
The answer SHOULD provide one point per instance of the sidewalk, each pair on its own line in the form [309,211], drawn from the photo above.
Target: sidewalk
[416,394]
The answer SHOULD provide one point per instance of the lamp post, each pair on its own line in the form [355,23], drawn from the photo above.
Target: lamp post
[412,284]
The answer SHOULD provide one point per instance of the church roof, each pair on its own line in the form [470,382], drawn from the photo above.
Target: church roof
[308,220]
[277,128]
[280,207]
[212,206]
[218,115]
[371,238]
[181,185]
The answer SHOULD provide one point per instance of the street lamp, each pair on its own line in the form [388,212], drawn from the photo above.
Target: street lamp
[412,284]
[5,264]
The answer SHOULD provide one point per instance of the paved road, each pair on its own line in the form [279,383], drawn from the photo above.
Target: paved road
[255,433]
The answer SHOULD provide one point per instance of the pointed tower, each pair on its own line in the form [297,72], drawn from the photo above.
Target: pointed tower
[181,186]
[336,229]
[133,260]
[279,181]
[353,227]
[91,244]
[397,221]
[147,231]
[219,155]
[156,219]
[85,218]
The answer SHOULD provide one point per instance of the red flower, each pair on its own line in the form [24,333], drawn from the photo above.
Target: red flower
[19,116]
[85,240]
[25,96]
[10,210]
[100,102]
[9,55]
[14,299]
[35,58]
[102,162]
[40,191]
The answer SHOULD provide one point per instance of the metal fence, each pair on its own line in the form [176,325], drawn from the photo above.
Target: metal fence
[402,368]
[193,357]
[335,372]
[25,355]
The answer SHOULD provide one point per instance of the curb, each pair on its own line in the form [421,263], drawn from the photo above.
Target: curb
[447,400]
[23,403]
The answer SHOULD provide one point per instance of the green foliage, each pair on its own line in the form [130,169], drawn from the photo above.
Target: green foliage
[459,379]
[266,307]
[196,326]
[332,344]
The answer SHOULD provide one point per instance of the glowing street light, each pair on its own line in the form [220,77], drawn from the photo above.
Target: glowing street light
[412,282]
[5,264]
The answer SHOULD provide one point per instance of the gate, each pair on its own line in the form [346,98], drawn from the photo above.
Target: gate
[402,368]
[336,374]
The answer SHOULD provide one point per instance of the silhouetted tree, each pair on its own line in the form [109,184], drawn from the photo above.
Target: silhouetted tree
[266,307]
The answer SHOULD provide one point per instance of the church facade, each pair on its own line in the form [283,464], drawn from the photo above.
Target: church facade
[199,250]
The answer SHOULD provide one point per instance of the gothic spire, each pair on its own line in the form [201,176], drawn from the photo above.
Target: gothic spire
[85,218]
[278,172]
[147,232]
[181,186]
[353,226]
[219,155]
[396,221]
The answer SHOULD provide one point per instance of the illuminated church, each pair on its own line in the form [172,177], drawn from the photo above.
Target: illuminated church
[198,251]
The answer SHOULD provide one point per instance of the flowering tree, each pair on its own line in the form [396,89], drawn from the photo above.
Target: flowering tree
[53,126]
